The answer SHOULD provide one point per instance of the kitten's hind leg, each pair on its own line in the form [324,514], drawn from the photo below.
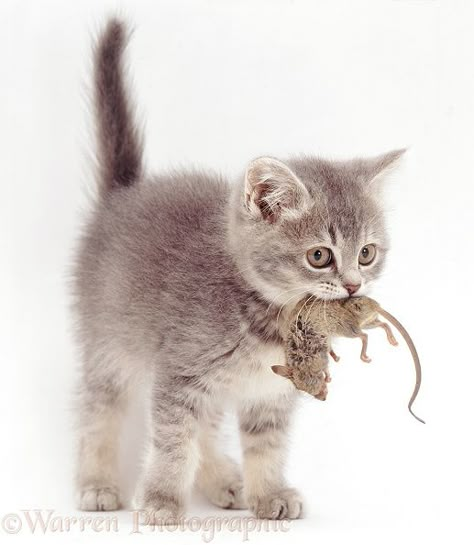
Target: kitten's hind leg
[218,477]
[102,401]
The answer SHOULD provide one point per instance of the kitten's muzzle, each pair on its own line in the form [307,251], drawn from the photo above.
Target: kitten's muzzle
[352,288]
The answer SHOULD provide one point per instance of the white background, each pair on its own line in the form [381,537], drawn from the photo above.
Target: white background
[220,82]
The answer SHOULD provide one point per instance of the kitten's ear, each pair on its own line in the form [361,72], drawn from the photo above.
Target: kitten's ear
[273,191]
[282,370]
[380,168]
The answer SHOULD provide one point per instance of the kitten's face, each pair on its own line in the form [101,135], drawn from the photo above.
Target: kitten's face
[312,227]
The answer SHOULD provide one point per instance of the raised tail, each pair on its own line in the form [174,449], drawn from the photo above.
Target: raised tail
[120,148]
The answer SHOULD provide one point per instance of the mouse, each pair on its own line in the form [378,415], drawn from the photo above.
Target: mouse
[307,349]
[310,331]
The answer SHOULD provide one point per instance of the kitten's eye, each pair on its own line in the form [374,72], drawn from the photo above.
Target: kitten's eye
[319,257]
[367,254]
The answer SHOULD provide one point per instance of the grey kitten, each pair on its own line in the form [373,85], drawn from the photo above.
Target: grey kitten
[183,282]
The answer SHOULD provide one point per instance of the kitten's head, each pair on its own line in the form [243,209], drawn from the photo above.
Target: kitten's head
[310,226]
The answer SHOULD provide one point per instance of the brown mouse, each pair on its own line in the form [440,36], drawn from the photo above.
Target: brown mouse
[307,347]
[312,329]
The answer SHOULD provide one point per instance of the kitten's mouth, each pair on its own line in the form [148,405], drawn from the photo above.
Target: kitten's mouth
[330,296]
[333,292]
[330,292]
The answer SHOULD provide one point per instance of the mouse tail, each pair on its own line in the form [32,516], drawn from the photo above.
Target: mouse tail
[404,333]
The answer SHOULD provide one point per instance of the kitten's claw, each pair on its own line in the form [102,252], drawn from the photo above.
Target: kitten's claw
[229,496]
[224,489]
[281,504]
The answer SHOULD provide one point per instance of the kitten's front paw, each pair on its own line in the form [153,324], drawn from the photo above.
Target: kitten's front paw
[158,510]
[99,499]
[281,504]
[228,495]
[223,486]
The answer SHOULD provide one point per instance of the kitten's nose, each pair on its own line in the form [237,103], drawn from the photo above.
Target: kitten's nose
[351,288]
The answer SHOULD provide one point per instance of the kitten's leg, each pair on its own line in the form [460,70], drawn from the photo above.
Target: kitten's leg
[173,455]
[102,401]
[264,428]
[219,477]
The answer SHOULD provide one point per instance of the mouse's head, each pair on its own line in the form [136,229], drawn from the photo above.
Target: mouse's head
[311,226]
[305,379]
[365,309]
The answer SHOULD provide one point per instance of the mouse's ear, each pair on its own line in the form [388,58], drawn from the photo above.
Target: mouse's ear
[282,370]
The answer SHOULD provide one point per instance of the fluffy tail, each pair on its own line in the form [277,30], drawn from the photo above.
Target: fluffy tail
[120,148]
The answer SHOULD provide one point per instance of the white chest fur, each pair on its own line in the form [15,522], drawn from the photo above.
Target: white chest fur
[257,381]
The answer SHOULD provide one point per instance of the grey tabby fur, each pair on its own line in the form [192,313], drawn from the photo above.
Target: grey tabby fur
[183,282]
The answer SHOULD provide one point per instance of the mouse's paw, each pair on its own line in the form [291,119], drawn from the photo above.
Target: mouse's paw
[323,392]
[333,355]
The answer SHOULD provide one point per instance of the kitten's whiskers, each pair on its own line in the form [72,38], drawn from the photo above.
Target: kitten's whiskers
[282,293]
[303,306]
[282,306]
